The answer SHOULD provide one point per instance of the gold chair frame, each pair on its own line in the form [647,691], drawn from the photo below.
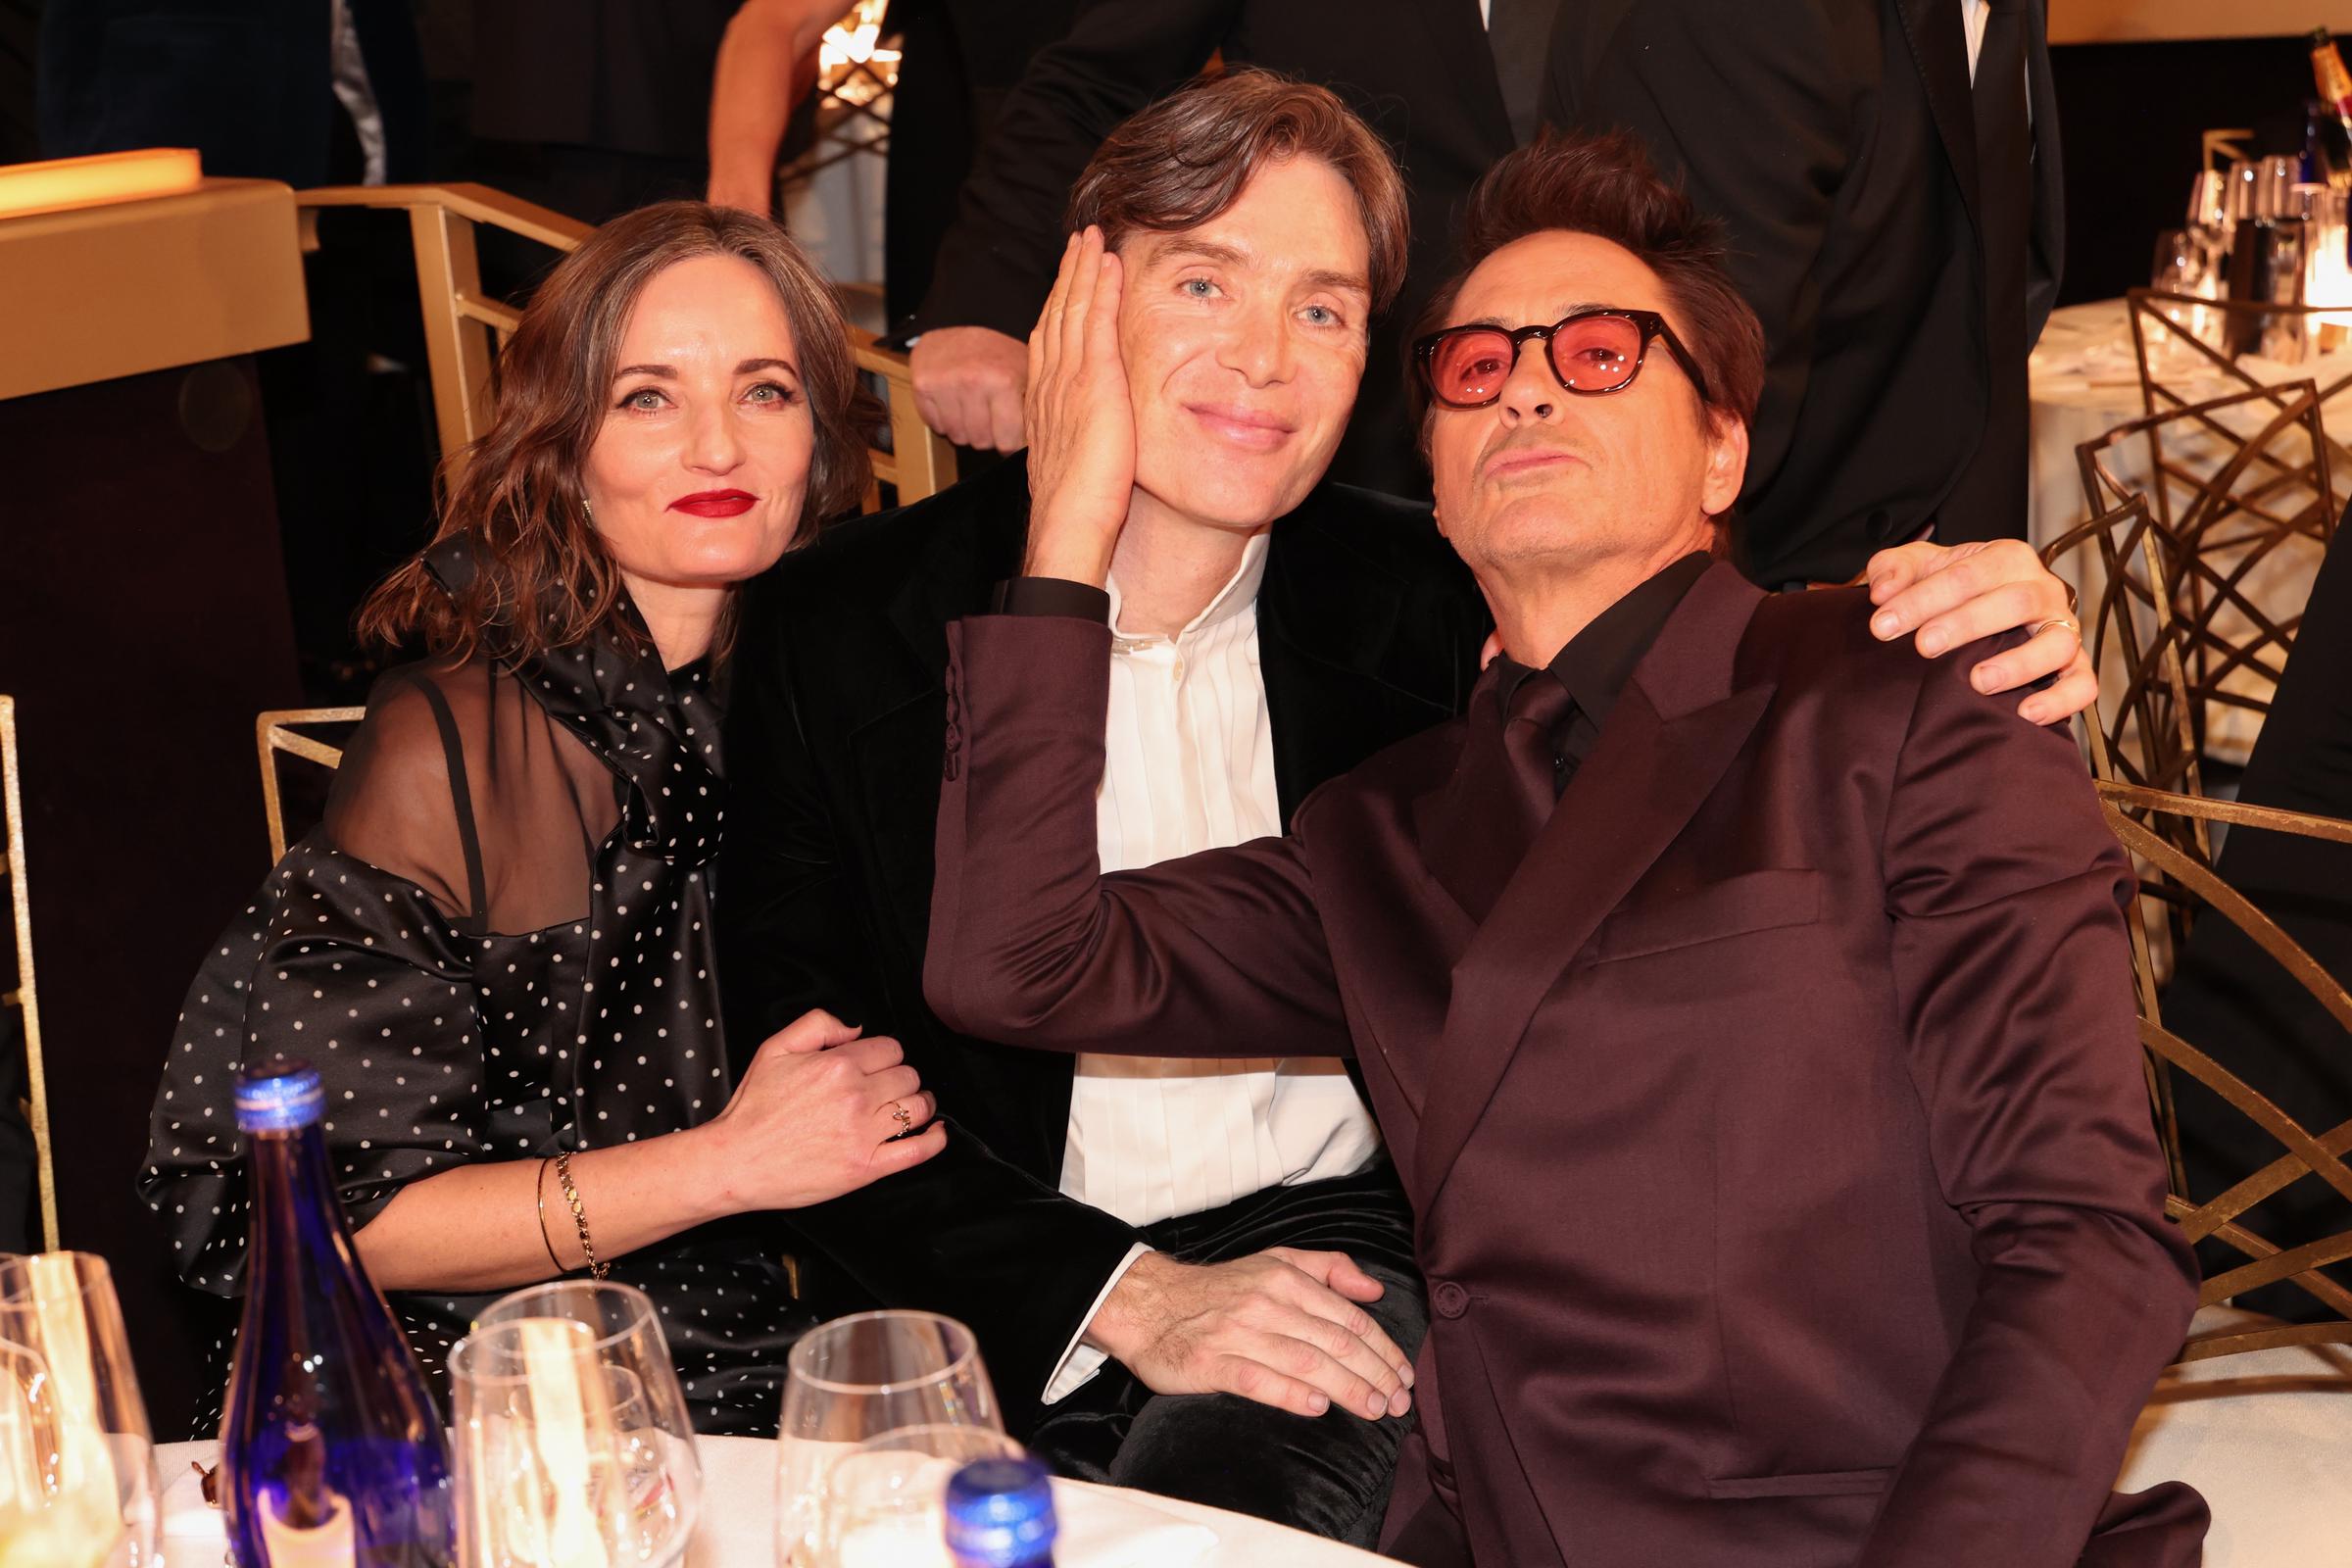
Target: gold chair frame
[2231,526]
[464,327]
[279,731]
[2129,616]
[2150,323]
[2305,1154]
[25,997]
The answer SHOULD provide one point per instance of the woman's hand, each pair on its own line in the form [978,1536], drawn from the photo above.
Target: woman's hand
[1952,596]
[815,1117]
[1081,423]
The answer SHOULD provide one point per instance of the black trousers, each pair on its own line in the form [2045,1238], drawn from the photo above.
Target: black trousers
[1328,1475]
[2232,1000]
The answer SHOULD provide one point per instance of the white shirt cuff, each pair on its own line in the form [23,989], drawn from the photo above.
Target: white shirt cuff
[1081,1361]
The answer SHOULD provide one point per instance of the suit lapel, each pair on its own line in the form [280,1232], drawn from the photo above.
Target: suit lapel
[2049,175]
[1345,675]
[1458,36]
[1672,734]
[1939,48]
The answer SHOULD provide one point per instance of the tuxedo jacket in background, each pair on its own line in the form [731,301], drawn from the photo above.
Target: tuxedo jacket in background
[1836,141]
[1419,72]
[1781,1161]
[1368,629]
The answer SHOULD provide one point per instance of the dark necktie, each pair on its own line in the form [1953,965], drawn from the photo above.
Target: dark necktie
[1534,739]
[2005,212]
[1519,31]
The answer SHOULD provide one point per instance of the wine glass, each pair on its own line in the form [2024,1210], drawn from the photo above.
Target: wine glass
[883,1502]
[77,1482]
[574,1444]
[2182,267]
[856,1378]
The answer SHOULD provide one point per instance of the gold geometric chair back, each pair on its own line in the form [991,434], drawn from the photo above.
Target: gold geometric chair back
[20,995]
[2240,490]
[2235,1216]
[2190,349]
[464,327]
[2138,734]
[288,737]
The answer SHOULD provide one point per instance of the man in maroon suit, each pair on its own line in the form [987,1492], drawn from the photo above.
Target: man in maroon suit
[1744,1001]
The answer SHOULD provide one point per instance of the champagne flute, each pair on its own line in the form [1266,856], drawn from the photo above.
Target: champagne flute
[77,1482]
[856,1378]
[884,1502]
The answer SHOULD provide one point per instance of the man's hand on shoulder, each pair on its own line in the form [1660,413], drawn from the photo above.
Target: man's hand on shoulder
[1952,596]
[1281,1327]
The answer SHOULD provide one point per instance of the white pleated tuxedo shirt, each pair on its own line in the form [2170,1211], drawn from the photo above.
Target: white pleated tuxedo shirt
[1189,765]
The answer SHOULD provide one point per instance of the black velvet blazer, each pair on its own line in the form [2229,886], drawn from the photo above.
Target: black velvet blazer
[1369,631]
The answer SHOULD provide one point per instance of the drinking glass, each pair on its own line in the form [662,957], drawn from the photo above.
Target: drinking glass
[77,1482]
[573,1447]
[884,1502]
[857,1378]
[2183,266]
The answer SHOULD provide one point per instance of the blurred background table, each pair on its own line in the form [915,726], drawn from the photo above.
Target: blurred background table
[2085,381]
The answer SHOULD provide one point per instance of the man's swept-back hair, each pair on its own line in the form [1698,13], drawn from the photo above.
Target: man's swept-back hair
[1606,186]
[1188,158]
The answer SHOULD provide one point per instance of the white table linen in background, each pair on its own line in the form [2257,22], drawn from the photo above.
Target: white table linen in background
[1102,1526]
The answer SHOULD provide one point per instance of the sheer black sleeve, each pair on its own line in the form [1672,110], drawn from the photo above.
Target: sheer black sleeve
[359,966]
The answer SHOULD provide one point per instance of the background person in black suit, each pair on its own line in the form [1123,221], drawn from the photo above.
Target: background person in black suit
[957,59]
[1421,73]
[1897,227]
[1899,230]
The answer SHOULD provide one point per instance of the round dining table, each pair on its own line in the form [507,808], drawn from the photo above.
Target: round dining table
[1102,1526]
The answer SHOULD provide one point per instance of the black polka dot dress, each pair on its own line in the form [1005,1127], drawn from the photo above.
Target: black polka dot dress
[497,945]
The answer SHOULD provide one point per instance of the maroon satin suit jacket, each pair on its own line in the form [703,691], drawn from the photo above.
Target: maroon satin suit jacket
[1776,1130]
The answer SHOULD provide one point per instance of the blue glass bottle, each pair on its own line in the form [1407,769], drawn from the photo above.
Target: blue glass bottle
[1000,1515]
[331,1449]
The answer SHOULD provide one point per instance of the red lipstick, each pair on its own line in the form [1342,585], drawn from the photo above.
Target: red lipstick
[716,504]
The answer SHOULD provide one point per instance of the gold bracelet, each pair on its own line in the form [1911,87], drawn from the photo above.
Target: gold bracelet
[541,1187]
[579,1215]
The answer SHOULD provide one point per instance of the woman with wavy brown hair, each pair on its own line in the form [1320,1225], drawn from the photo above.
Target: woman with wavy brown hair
[497,948]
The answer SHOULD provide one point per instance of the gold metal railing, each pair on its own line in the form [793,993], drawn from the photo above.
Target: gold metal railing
[25,997]
[464,327]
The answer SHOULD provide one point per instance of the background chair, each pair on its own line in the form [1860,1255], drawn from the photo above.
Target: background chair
[2231,1215]
[2241,493]
[279,737]
[23,998]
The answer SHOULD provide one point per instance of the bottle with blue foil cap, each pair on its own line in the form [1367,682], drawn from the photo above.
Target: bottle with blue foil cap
[1000,1515]
[332,1454]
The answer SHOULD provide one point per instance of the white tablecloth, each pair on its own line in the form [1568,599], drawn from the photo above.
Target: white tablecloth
[2267,1438]
[1103,1527]
[2085,381]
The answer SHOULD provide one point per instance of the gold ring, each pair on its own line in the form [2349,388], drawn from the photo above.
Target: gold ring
[2055,620]
[906,1122]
